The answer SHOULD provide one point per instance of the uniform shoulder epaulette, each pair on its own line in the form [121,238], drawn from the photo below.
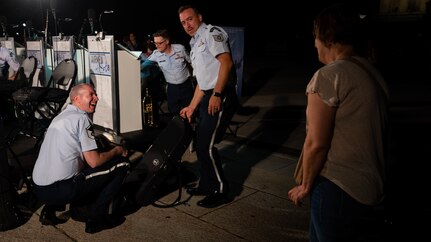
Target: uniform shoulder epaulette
[215,28]
[217,35]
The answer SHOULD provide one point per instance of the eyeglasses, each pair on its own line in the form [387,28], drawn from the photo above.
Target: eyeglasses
[159,43]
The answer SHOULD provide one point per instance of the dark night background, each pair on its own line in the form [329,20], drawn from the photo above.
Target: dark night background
[271,27]
[262,21]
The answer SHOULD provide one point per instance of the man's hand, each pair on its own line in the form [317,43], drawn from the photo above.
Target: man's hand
[12,77]
[214,105]
[121,151]
[187,112]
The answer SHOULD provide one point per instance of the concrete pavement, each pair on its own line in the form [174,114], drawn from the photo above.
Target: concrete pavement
[259,163]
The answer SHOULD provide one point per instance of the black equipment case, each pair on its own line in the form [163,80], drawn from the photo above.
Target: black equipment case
[161,160]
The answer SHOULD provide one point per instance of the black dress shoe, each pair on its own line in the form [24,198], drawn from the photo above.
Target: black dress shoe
[95,226]
[47,217]
[194,191]
[214,200]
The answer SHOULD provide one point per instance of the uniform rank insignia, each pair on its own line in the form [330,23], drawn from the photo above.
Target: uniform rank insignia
[200,43]
[90,131]
[218,37]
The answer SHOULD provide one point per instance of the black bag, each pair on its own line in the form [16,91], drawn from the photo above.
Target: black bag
[160,161]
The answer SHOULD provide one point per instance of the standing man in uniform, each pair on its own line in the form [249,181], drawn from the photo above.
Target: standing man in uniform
[216,98]
[174,61]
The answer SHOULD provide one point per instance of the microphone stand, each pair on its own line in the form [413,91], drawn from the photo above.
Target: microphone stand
[5,34]
[46,25]
[55,21]
[24,35]
[101,34]
[60,37]
[81,46]
[3,26]
[47,42]
[3,23]
[80,32]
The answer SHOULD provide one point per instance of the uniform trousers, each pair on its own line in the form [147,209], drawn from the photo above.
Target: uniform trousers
[93,186]
[179,95]
[210,131]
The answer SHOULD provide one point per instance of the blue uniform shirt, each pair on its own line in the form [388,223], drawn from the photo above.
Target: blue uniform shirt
[7,60]
[60,156]
[173,66]
[208,42]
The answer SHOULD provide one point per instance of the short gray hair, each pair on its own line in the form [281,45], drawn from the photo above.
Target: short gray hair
[75,91]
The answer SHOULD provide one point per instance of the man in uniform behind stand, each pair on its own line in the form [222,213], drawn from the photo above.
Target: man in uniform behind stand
[175,64]
[8,69]
[174,61]
[216,97]
[71,169]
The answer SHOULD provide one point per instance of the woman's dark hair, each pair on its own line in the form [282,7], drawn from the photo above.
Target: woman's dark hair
[340,23]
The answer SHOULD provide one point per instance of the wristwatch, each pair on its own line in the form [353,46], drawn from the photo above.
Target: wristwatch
[217,94]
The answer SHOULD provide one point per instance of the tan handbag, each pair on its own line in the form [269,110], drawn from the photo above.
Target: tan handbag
[298,171]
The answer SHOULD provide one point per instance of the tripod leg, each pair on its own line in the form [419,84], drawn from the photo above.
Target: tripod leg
[24,179]
[10,215]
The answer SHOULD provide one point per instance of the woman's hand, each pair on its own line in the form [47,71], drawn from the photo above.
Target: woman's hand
[297,194]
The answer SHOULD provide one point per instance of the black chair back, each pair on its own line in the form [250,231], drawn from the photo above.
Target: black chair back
[64,75]
[36,106]
[27,70]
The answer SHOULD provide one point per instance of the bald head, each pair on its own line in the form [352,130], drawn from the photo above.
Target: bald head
[84,97]
[76,90]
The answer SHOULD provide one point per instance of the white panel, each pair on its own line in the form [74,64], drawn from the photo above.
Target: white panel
[129,90]
[102,75]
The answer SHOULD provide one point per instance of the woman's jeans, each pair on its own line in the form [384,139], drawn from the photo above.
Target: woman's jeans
[334,214]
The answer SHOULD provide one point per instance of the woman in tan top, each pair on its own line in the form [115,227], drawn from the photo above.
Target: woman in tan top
[343,152]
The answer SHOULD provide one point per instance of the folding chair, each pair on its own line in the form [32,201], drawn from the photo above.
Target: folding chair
[52,98]
[22,79]
[36,106]
[27,70]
